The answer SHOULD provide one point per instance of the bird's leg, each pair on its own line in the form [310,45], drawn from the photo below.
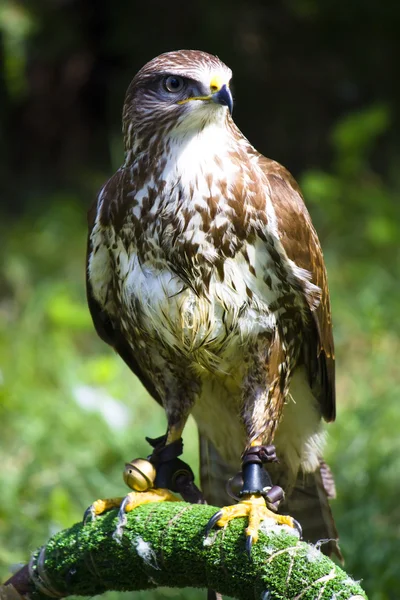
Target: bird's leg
[172,472]
[152,479]
[140,476]
[262,409]
[256,479]
[259,499]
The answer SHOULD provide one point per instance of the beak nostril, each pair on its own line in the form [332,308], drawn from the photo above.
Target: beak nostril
[214,89]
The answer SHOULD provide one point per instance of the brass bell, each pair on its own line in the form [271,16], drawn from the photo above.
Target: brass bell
[139,475]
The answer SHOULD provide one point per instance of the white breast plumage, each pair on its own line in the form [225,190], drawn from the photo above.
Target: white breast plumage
[208,329]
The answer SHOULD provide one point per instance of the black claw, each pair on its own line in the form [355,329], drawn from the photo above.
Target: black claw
[213,520]
[299,528]
[119,530]
[88,515]
[249,545]
[122,509]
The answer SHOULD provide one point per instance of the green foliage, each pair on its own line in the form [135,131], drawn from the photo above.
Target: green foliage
[356,135]
[358,216]
[16,25]
[71,413]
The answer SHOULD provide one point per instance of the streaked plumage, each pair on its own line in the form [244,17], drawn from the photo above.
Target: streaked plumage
[206,275]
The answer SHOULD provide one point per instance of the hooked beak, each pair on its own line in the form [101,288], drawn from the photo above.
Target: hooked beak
[220,94]
[224,97]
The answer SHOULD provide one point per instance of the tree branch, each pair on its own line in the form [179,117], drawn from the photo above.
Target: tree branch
[164,545]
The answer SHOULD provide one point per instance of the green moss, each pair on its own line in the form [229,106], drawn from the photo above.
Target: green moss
[164,545]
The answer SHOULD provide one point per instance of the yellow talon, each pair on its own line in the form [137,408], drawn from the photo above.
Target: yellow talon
[155,495]
[139,475]
[132,501]
[254,508]
[101,506]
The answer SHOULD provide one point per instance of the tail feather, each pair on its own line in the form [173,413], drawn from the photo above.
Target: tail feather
[214,474]
[327,479]
[307,501]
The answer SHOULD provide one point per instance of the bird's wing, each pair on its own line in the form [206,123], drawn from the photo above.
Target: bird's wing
[107,328]
[300,242]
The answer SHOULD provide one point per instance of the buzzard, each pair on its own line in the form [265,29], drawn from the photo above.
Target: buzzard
[205,274]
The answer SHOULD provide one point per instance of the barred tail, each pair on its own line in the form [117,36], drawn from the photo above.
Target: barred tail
[308,503]
[214,474]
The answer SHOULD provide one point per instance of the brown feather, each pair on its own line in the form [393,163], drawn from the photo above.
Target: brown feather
[308,503]
[214,474]
[106,328]
[148,218]
[302,246]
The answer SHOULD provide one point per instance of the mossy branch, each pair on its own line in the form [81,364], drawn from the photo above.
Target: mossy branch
[164,545]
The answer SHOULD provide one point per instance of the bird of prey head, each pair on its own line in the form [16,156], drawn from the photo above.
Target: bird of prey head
[177,93]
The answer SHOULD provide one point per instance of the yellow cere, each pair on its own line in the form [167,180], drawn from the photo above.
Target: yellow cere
[216,84]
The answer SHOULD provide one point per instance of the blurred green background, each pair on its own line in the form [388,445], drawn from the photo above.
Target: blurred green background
[317,87]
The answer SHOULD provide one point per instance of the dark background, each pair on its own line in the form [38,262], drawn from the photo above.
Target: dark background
[298,67]
[317,88]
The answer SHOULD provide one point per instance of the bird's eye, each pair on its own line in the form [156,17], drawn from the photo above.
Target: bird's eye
[173,83]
